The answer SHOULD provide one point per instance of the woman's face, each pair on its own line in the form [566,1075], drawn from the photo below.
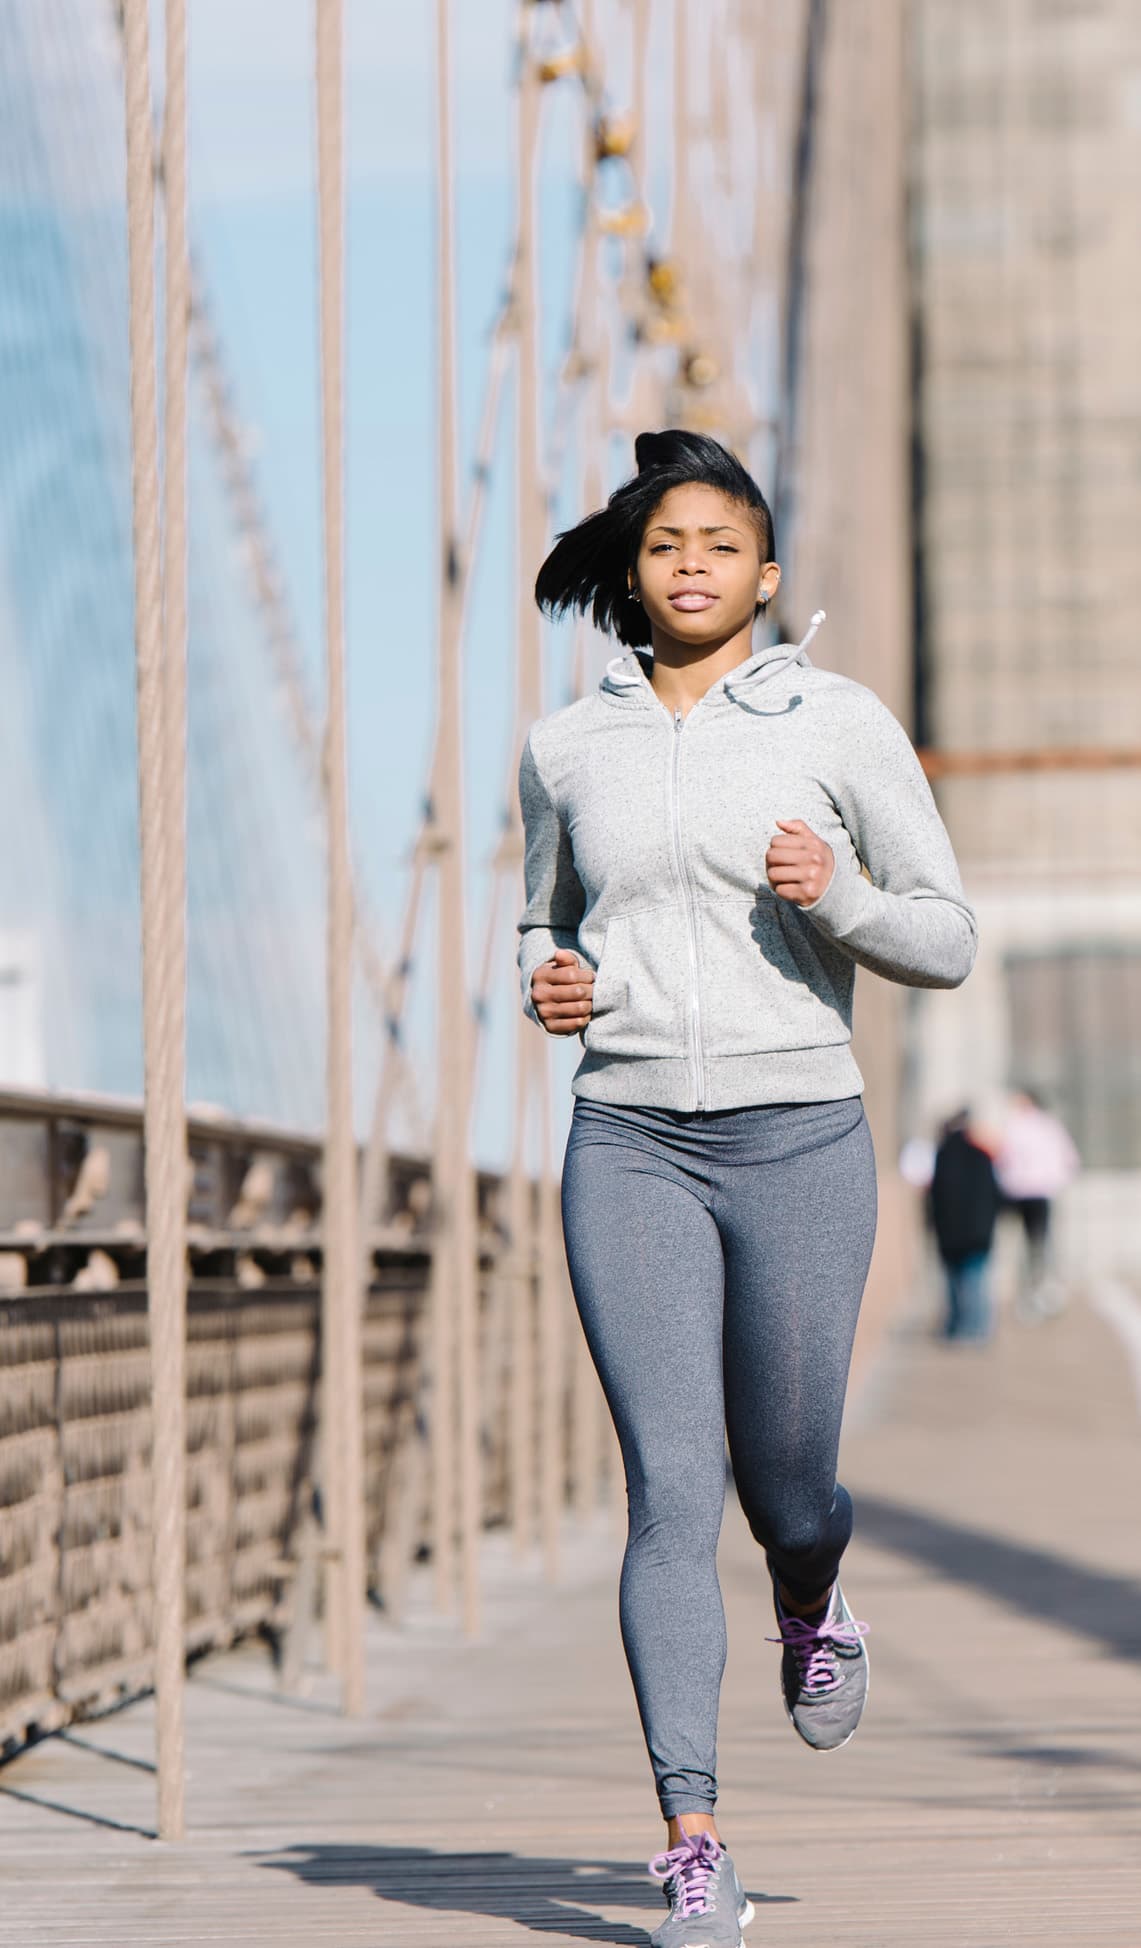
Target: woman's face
[700,572]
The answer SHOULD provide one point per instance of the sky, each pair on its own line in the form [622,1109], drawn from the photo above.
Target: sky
[253,224]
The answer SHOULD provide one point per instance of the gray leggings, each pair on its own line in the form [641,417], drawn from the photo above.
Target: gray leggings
[718,1261]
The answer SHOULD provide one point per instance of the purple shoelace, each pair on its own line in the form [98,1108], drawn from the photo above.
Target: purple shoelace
[690,1864]
[814,1647]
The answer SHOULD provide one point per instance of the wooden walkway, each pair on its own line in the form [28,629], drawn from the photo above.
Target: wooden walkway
[497,1795]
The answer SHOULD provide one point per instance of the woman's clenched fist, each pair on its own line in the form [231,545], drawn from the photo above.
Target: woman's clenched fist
[798,864]
[561,990]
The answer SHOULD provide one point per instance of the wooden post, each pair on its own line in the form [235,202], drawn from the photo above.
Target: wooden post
[520,1273]
[552,1340]
[341,1290]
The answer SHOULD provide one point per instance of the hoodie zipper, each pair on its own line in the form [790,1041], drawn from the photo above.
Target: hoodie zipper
[690,920]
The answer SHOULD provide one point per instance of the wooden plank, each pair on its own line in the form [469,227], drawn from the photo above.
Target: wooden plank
[497,1792]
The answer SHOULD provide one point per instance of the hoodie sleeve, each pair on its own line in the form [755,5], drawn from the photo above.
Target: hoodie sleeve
[909,921]
[555,896]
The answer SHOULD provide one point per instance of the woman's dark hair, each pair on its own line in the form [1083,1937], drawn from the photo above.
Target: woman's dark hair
[589,565]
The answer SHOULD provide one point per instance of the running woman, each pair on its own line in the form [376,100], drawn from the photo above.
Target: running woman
[713,841]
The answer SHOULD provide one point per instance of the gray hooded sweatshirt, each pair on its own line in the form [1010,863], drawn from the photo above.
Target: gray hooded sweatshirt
[646,835]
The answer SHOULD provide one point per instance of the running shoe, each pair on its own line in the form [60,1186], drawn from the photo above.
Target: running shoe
[708,1906]
[823,1672]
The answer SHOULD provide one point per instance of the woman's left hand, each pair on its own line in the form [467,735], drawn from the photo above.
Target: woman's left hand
[799,865]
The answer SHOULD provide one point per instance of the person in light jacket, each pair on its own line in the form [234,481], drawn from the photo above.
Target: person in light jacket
[1035,1162]
[715,839]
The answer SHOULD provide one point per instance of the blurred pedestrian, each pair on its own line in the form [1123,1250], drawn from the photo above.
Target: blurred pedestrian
[964,1201]
[1035,1162]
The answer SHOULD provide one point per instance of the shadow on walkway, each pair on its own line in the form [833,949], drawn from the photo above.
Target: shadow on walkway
[77,1812]
[1089,1602]
[547,1896]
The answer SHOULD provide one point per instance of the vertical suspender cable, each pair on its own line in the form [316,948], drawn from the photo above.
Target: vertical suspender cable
[585,1394]
[641,58]
[170,1436]
[529,484]
[341,1288]
[528,691]
[681,202]
[594,350]
[455,1294]
[681,197]
[160,758]
[531,538]
[175,552]
[816,24]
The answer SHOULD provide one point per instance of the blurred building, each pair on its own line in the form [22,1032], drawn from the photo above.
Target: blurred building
[1026,252]
[69,919]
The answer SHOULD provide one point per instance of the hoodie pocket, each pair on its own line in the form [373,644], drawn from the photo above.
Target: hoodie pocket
[765,983]
[640,986]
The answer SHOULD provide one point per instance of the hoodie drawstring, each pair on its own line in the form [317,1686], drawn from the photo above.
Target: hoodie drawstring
[818,618]
[620,676]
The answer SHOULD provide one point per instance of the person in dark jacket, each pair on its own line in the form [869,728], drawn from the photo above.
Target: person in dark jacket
[964,1207]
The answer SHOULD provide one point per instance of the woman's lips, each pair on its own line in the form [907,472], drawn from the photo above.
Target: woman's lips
[694,599]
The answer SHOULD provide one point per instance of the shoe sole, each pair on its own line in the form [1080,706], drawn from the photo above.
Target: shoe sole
[839,1746]
[748,1913]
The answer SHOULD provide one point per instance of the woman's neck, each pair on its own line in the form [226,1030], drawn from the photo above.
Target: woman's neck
[682,673]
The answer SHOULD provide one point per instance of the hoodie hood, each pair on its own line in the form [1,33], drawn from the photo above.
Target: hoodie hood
[626,679]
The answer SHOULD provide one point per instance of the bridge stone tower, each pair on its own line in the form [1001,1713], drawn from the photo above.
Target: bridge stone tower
[1025,170]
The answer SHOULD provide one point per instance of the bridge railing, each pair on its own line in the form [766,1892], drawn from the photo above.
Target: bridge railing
[75,1414]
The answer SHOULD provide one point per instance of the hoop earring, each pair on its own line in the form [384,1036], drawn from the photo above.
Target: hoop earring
[632,595]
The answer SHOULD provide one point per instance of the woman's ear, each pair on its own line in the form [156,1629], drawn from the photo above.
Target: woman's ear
[767,586]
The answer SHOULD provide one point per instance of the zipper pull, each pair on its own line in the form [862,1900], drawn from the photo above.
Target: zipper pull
[678,720]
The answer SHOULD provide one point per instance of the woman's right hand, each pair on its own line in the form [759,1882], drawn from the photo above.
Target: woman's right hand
[562,990]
